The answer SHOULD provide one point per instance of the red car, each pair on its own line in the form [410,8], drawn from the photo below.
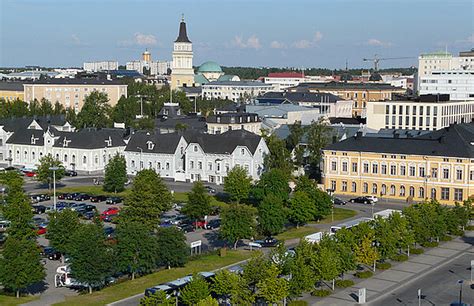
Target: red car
[30,174]
[41,230]
[199,224]
[109,212]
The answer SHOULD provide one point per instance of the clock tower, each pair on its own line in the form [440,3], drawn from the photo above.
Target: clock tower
[182,74]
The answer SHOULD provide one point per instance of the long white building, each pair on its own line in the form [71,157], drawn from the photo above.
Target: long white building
[237,91]
[459,84]
[100,66]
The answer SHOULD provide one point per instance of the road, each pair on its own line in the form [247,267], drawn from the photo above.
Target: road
[439,287]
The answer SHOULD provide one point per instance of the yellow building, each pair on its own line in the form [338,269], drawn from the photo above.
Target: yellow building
[360,93]
[436,165]
[11,91]
[182,72]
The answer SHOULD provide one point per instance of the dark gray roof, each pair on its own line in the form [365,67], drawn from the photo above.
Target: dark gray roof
[11,86]
[162,143]
[92,138]
[170,110]
[225,143]
[236,83]
[24,136]
[453,141]
[192,90]
[344,86]
[183,36]
[76,82]
[13,124]
[233,118]
[301,97]
[191,122]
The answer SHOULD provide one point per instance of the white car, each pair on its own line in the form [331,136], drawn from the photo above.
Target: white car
[373,198]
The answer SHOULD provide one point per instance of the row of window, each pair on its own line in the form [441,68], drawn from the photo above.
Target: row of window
[401,170]
[64,159]
[392,191]
[150,165]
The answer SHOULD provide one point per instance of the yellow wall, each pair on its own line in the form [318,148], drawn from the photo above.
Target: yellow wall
[11,95]
[426,183]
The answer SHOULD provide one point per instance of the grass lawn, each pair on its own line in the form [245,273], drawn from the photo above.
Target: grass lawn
[339,214]
[130,288]
[294,232]
[91,190]
[6,300]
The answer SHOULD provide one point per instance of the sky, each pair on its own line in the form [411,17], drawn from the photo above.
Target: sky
[258,33]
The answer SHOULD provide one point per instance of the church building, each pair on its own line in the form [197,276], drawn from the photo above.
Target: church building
[182,74]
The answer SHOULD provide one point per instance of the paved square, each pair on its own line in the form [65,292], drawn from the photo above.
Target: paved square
[428,259]
[375,284]
[394,275]
[458,246]
[442,252]
[411,267]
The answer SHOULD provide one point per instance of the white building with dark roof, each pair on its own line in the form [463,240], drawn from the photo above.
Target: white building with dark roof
[237,91]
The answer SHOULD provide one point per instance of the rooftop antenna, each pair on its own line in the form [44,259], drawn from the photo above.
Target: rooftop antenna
[182,17]
[347,66]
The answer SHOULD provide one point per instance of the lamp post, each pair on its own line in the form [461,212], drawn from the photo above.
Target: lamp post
[460,282]
[54,169]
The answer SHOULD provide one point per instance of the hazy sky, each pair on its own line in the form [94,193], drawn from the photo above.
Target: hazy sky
[294,33]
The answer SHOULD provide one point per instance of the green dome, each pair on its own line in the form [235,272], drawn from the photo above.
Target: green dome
[209,67]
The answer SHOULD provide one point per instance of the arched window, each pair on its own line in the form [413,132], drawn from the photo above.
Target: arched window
[96,159]
[354,187]
[402,191]
[412,191]
[73,158]
[33,155]
[393,190]
[26,155]
[65,158]
[374,188]
[57,156]
[133,164]
[384,189]
[433,193]
[421,193]
[365,188]
[84,160]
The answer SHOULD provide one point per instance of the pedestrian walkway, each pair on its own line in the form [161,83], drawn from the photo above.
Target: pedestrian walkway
[384,282]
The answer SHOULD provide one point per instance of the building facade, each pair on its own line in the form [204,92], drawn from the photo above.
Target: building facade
[100,66]
[182,74]
[418,115]
[458,84]
[221,123]
[10,91]
[71,93]
[237,91]
[437,165]
[284,80]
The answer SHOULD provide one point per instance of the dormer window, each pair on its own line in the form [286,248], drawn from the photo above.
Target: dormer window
[108,142]
[66,142]
[33,139]
[150,145]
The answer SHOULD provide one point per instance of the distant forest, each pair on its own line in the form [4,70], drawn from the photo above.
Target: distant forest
[255,73]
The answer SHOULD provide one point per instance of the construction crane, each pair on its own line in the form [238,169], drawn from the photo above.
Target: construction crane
[377,59]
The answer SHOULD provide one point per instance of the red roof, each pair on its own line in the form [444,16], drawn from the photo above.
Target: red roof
[286,75]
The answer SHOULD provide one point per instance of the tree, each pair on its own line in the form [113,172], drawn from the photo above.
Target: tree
[115,174]
[157,298]
[272,288]
[95,111]
[237,184]
[148,199]
[126,110]
[20,264]
[279,156]
[302,273]
[328,263]
[90,259]
[209,301]
[366,253]
[62,225]
[386,236]
[136,248]
[195,291]
[199,202]
[403,235]
[237,222]
[345,242]
[173,250]
[274,182]
[321,200]
[271,215]
[301,210]
[256,269]
[282,258]
[318,138]
[296,133]
[44,173]
[231,286]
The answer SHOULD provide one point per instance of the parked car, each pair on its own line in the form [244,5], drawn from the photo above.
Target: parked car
[373,198]
[70,173]
[268,242]
[30,173]
[186,228]
[111,218]
[39,209]
[199,224]
[41,230]
[63,196]
[81,197]
[210,189]
[88,215]
[113,200]
[363,200]
[109,211]
[109,232]
[98,198]
[4,225]
[77,206]
[50,253]
[213,224]
[337,201]
[71,196]
[40,198]
[90,207]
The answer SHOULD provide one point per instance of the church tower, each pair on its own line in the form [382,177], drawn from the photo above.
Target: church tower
[182,74]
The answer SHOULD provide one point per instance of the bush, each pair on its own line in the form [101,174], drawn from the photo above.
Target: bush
[430,244]
[383,265]
[364,274]
[298,303]
[469,228]
[344,283]
[400,257]
[321,292]
[446,238]
[417,251]
[457,232]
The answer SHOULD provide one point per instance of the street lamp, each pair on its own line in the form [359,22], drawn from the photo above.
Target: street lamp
[54,169]
[460,282]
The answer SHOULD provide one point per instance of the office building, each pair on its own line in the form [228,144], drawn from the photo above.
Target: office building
[100,66]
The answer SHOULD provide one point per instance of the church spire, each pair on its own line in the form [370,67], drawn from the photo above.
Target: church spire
[183,36]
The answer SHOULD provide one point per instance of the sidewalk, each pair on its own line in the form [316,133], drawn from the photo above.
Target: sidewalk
[386,281]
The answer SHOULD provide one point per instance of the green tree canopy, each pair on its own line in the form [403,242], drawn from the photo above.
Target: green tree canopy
[157,298]
[44,173]
[199,202]
[115,174]
[271,215]
[148,199]
[366,253]
[273,182]
[272,288]
[302,273]
[238,222]
[62,225]
[237,184]
[321,200]
[301,209]
[195,291]
[173,250]
[318,137]
[279,156]
[95,111]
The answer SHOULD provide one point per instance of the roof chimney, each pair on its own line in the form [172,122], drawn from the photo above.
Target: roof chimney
[358,135]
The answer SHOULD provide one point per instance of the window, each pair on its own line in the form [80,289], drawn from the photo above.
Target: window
[167,166]
[446,173]
[403,170]
[421,171]
[366,167]
[402,191]
[384,169]
[333,165]
[375,168]
[384,189]
[242,151]
[433,193]
[434,172]
[412,171]
[133,164]
[421,193]
[195,148]
[444,193]
[333,185]
[457,194]
[459,174]
[344,166]
[84,160]
[354,187]
[374,188]
[412,191]
[191,164]
[158,165]
[141,165]
[344,186]
[354,168]
[365,188]
[393,169]
[471,175]
[199,165]
[209,166]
